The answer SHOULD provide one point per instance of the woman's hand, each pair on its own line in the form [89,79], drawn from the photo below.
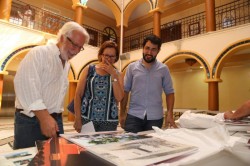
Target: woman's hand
[78,124]
[108,67]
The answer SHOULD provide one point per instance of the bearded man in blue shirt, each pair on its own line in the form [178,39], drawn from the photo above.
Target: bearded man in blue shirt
[145,79]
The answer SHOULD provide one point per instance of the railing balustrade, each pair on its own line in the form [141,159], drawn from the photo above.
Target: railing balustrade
[228,15]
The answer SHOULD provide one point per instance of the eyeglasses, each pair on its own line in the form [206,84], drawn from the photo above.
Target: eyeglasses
[150,49]
[75,45]
[109,56]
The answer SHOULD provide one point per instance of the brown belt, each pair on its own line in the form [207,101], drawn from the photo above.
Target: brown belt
[54,115]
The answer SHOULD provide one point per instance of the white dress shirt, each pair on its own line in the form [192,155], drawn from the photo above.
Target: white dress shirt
[41,81]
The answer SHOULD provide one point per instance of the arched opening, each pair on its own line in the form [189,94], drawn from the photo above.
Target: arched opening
[188,71]
[233,68]
[8,95]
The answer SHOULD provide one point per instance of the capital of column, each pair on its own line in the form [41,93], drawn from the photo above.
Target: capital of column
[73,81]
[4,73]
[213,80]
[156,10]
[78,4]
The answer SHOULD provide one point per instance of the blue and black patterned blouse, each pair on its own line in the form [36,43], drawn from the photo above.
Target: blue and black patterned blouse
[98,102]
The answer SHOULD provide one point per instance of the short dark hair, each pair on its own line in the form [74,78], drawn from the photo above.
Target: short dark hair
[154,39]
[108,44]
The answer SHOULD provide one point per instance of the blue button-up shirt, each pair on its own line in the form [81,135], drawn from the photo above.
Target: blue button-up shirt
[146,87]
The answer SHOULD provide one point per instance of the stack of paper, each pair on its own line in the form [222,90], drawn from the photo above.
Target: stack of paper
[18,157]
[238,125]
[129,148]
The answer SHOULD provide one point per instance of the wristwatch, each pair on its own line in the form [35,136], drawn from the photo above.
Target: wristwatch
[114,80]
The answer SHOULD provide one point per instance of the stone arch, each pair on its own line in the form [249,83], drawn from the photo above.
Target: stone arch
[115,10]
[128,10]
[72,72]
[90,62]
[226,54]
[156,4]
[160,3]
[15,53]
[188,54]
[125,66]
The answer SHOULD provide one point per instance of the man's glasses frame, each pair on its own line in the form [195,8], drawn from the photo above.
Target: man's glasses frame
[74,45]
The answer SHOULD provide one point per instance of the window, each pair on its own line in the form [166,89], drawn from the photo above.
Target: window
[194,29]
[109,34]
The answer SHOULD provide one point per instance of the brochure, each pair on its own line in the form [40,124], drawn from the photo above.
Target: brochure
[141,152]
[18,157]
[241,122]
[99,138]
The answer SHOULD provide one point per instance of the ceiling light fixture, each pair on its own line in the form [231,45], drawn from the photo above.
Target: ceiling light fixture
[190,61]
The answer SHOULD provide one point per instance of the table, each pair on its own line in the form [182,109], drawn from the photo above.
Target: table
[60,152]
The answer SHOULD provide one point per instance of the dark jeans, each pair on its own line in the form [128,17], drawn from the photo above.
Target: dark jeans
[135,125]
[27,130]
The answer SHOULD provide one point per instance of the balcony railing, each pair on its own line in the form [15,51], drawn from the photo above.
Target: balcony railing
[36,18]
[228,15]
[47,21]
[133,42]
[232,14]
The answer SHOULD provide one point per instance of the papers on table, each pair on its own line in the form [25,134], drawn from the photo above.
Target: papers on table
[88,128]
[98,138]
[18,157]
[237,125]
[129,148]
[141,152]
[241,122]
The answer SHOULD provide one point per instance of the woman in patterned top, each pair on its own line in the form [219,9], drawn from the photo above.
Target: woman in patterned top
[98,91]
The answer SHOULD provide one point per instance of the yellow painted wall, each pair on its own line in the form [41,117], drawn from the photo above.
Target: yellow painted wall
[235,88]
[192,92]
[190,89]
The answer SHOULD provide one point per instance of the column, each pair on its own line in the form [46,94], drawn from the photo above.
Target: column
[157,21]
[78,7]
[2,73]
[213,94]
[121,42]
[210,15]
[5,8]
[72,90]
[78,15]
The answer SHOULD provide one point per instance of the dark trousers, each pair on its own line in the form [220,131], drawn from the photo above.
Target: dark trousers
[27,130]
[135,125]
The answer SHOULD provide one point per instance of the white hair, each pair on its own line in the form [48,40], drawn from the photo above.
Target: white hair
[68,27]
